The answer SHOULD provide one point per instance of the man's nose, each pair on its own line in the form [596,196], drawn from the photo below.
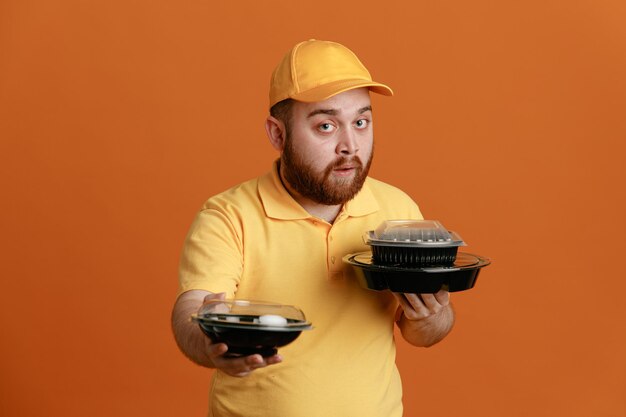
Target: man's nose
[348,144]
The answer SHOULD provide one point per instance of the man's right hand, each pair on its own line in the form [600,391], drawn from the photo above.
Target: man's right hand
[239,367]
[199,348]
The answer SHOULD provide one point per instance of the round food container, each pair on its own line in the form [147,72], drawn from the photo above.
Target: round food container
[249,327]
[459,276]
[413,243]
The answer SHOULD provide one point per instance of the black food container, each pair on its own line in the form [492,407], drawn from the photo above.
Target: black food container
[459,276]
[250,327]
[415,256]
[413,243]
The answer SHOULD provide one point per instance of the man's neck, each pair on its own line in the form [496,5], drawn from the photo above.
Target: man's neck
[328,213]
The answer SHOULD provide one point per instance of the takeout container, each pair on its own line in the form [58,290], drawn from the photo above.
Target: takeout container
[459,276]
[248,327]
[415,243]
[415,256]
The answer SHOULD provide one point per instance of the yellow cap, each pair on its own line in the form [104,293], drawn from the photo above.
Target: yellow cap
[316,70]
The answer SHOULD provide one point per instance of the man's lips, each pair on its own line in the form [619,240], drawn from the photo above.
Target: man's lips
[345,170]
[346,167]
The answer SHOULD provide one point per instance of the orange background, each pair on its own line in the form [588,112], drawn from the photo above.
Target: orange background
[119,118]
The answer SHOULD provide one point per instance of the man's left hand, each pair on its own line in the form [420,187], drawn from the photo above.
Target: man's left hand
[421,306]
[424,319]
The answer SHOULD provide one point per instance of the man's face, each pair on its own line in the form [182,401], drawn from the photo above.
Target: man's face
[329,147]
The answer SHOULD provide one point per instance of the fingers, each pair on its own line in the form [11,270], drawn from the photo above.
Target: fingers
[219,307]
[244,366]
[215,350]
[215,296]
[443,297]
[420,306]
[239,366]
[417,306]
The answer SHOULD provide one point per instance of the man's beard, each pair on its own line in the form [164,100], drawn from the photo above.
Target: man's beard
[323,188]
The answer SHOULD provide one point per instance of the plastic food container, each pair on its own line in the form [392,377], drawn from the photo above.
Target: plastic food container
[249,327]
[415,256]
[413,243]
[459,276]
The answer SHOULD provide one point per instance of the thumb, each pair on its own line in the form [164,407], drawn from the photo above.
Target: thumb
[215,296]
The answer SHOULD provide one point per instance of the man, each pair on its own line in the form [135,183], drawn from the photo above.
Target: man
[281,238]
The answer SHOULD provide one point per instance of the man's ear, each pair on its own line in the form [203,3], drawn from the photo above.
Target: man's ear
[276,132]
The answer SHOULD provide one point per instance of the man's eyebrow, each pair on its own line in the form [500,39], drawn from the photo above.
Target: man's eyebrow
[331,112]
[334,112]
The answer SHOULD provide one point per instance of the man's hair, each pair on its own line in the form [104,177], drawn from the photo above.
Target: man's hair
[282,112]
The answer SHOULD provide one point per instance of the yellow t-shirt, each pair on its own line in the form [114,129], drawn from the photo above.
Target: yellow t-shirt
[255,242]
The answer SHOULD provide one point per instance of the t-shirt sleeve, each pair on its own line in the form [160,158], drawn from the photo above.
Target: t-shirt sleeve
[211,258]
[415,211]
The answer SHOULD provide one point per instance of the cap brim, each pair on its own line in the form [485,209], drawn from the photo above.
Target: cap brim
[326,91]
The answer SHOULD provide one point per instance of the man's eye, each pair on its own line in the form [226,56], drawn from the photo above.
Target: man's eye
[361,123]
[326,127]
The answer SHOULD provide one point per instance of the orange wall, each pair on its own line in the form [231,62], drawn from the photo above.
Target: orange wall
[119,118]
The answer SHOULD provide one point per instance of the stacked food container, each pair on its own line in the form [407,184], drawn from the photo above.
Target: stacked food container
[415,256]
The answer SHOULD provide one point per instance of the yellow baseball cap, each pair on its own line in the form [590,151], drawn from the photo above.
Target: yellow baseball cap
[316,70]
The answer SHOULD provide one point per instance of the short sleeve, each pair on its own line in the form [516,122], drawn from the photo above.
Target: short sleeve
[211,258]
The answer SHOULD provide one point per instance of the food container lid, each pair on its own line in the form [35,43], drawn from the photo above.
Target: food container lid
[249,313]
[412,233]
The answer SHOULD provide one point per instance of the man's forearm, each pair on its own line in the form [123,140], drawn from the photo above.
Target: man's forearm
[190,339]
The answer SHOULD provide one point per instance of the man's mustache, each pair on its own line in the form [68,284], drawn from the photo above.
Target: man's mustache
[353,161]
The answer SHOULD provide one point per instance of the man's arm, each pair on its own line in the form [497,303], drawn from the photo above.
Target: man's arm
[424,319]
[198,347]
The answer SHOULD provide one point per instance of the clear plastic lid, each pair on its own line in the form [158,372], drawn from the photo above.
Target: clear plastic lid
[413,233]
[246,312]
